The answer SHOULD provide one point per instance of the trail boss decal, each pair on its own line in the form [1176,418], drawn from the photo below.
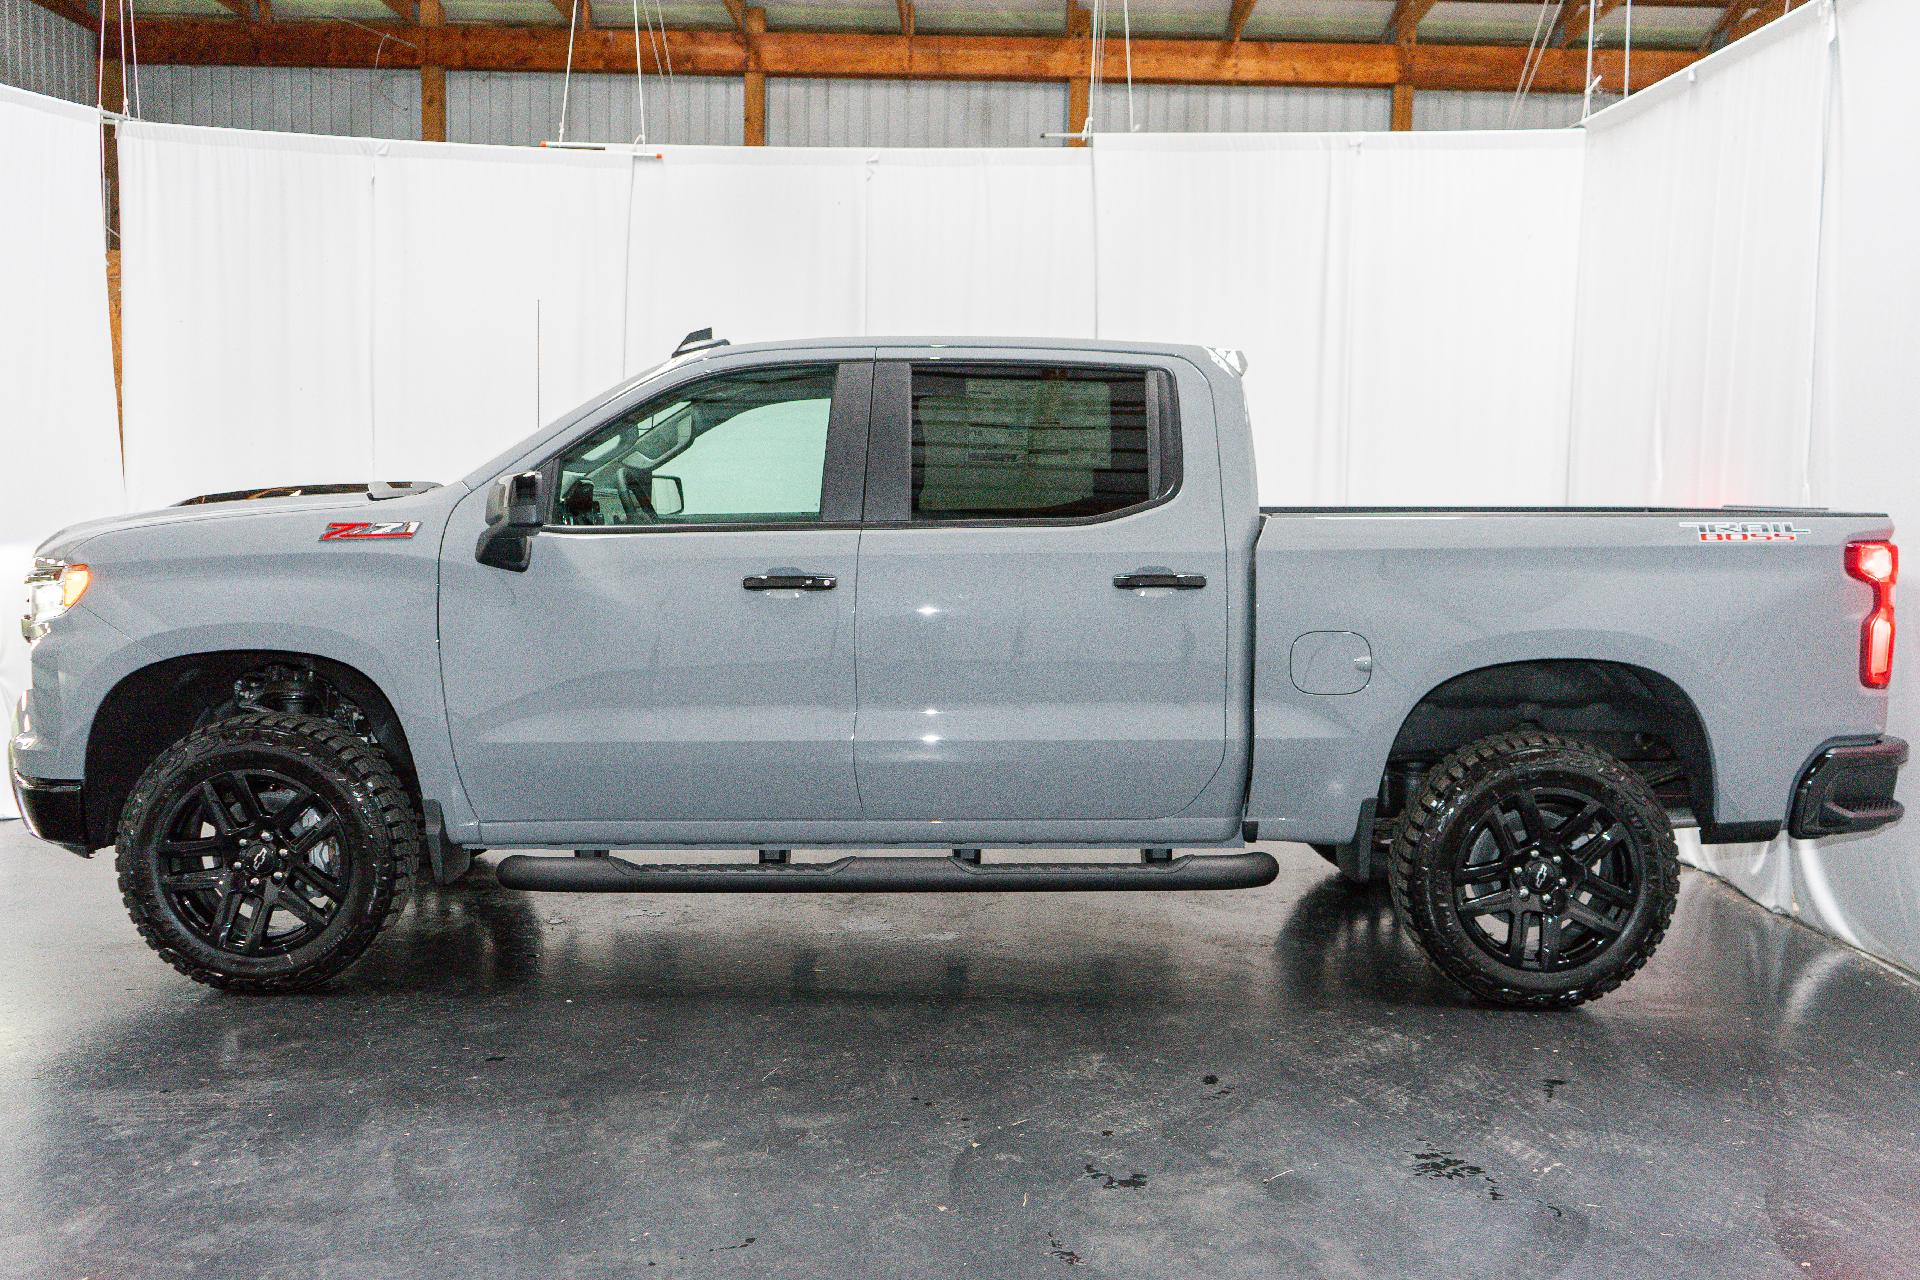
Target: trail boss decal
[1745,530]
[352,530]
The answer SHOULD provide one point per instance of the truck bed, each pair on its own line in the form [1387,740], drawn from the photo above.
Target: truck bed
[1749,610]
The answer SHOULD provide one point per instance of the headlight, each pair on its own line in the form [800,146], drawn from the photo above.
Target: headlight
[52,589]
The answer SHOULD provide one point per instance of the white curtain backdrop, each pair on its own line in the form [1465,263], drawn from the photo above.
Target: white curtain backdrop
[59,446]
[1697,273]
[1403,299]
[1747,329]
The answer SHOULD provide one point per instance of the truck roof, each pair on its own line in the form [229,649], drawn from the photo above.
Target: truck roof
[1112,346]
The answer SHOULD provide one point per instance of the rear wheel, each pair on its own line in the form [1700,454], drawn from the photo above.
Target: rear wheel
[1537,871]
[266,851]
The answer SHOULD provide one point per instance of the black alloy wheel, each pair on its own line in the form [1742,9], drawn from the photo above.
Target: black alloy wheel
[264,852]
[1536,870]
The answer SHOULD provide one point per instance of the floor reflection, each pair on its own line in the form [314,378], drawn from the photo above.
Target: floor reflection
[1260,1083]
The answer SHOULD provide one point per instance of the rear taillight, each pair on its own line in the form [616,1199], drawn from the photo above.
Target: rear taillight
[1877,564]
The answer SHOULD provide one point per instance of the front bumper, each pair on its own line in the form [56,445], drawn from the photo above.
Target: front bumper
[1848,788]
[54,811]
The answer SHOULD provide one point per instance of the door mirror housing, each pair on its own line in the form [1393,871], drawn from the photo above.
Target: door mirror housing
[516,508]
[669,495]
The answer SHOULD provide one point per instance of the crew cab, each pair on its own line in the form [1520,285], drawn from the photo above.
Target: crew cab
[977,597]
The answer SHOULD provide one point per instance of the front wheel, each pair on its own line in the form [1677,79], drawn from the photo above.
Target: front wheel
[265,852]
[1537,871]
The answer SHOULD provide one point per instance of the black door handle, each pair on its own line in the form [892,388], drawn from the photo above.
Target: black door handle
[1178,581]
[790,582]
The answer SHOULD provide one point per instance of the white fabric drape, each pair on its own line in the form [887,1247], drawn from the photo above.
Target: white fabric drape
[1401,299]
[1697,274]
[1747,317]
[59,446]
[497,297]
[246,310]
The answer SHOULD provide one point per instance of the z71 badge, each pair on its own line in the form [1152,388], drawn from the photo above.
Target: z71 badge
[351,530]
[1745,530]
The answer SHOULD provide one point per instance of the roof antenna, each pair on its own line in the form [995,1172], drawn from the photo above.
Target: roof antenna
[698,340]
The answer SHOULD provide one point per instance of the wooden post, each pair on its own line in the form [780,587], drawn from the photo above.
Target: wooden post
[755,130]
[1402,107]
[433,82]
[1080,87]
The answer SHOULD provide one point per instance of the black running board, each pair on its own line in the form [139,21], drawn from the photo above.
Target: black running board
[605,874]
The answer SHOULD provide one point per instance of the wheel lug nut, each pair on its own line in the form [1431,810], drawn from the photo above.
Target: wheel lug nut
[254,881]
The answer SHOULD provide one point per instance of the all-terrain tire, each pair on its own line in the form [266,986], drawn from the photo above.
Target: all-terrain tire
[1493,817]
[227,794]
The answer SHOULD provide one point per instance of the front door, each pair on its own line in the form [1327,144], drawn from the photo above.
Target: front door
[1042,631]
[680,648]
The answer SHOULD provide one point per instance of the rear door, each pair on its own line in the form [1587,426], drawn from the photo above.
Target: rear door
[680,649]
[1042,631]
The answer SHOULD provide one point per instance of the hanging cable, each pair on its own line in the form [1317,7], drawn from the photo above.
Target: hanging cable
[133,32]
[1586,94]
[1126,34]
[1626,70]
[566,85]
[640,79]
[1536,54]
[665,57]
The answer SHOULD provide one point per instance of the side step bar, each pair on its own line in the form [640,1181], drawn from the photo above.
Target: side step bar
[604,874]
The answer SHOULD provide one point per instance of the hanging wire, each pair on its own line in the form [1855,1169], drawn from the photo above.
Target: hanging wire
[133,31]
[1586,94]
[640,77]
[566,85]
[1536,54]
[1126,34]
[664,57]
[1626,71]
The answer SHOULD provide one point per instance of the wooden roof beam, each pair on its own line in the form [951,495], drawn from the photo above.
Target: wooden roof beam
[906,17]
[72,11]
[1735,10]
[1237,19]
[478,47]
[1760,17]
[737,10]
[1403,27]
[1572,28]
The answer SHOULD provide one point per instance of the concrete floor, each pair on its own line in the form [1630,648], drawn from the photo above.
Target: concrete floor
[1268,1083]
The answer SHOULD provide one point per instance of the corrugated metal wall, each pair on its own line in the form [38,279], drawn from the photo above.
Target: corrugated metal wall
[912,113]
[1461,109]
[1181,108]
[358,103]
[523,108]
[45,53]
[50,55]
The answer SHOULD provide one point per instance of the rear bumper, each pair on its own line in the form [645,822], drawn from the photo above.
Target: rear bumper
[1847,788]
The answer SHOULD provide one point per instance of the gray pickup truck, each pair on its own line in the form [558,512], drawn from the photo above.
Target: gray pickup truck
[952,595]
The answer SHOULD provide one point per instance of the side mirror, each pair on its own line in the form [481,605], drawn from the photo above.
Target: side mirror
[669,495]
[516,508]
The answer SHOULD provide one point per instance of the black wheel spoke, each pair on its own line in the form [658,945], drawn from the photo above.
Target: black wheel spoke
[321,830]
[1531,819]
[1606,890]
[298,804]
[254,931]
[320,882]
[1503,837]
[197,847]
[1489,904]
[1549,941]
[292,901]
[1568,832]
[1587,918]
[1517,939]
[194,881]
[217,812]
[1483,872]
[224,917]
